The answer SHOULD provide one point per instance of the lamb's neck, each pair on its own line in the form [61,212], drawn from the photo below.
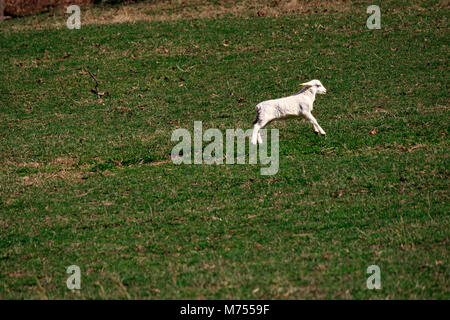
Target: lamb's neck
[310,92]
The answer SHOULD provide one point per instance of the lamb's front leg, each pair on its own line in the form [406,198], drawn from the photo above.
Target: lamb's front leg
[317,127]
[316,130]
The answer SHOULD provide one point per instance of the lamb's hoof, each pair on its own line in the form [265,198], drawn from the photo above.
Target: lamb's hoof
[323,134]
[316,132]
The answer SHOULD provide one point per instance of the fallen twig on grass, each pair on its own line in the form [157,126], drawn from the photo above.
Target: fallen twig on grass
[94,90]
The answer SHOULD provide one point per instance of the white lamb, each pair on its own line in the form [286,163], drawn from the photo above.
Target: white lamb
[297,105]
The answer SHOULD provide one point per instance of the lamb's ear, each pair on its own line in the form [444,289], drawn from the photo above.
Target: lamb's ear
[307,84]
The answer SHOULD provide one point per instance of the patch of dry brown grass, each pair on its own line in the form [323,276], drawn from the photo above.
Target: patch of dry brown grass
[66,169]
[27,7]
[187,9]
[60,168]
[175,10]
[40,178]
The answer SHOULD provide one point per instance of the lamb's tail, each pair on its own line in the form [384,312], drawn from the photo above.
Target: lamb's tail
[258,110]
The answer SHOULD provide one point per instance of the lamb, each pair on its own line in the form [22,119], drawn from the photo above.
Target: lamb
[299,104]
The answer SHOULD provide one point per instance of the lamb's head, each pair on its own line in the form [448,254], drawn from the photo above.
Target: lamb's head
[316,86]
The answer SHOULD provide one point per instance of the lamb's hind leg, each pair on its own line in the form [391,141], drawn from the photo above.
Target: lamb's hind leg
[259,138]
[255,133]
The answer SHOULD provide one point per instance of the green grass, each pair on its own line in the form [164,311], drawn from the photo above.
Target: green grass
[89,181]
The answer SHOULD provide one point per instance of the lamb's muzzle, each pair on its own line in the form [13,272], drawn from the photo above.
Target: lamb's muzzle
[297,105]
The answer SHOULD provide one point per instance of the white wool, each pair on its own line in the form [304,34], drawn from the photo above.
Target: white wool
[297,105]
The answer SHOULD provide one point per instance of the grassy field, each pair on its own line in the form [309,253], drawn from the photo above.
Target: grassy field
[88,181]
